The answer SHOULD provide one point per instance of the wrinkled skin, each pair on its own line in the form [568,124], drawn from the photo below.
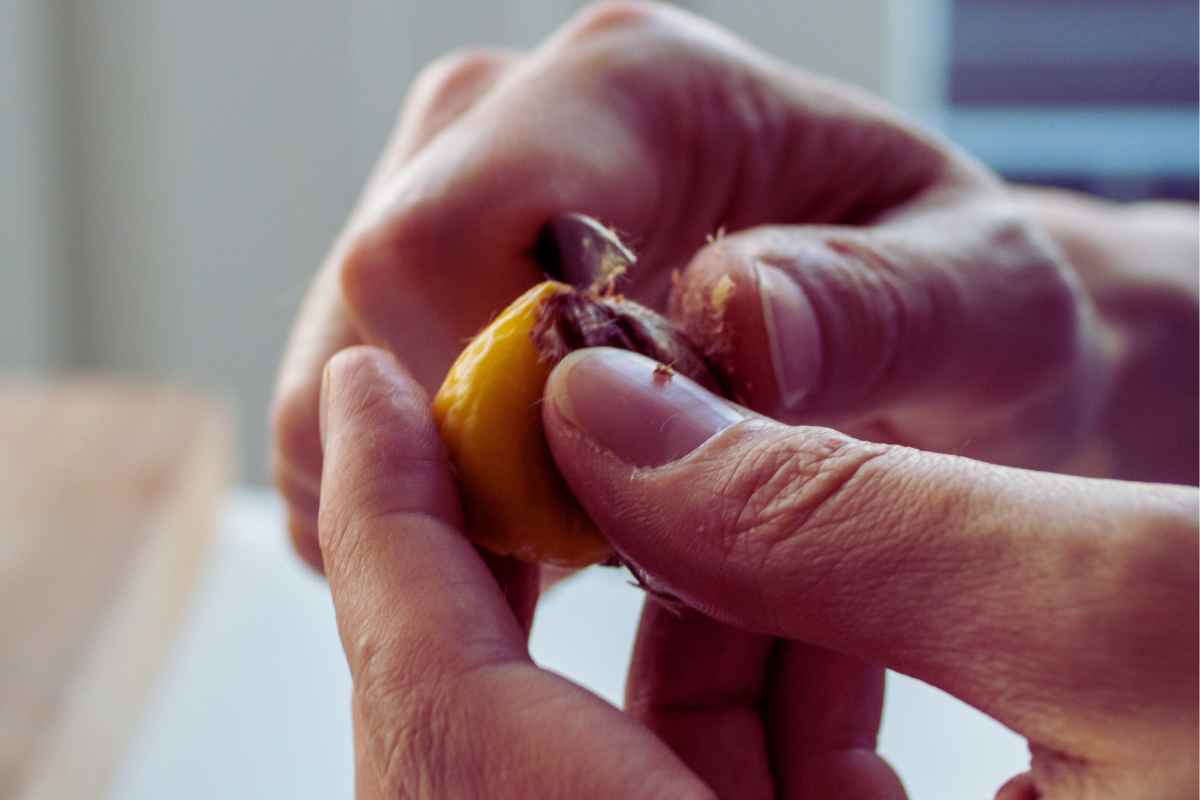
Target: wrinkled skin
[939,309]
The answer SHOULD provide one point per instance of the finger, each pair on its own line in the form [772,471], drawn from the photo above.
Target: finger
[442,93]
[823,712]
[450,703]
[956,324]
[699,685]
[623,81]
[1011,589]
[384,480]
[702,686]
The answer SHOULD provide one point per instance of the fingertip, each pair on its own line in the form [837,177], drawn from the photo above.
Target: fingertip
[362,363]
[366,385]
[632,407]
[383,454]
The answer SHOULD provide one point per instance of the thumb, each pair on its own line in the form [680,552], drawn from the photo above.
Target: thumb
[940,322]
[1008,588]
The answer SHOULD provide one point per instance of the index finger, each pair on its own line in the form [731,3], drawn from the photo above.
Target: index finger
[390,520]
[448,703]
[1016,591]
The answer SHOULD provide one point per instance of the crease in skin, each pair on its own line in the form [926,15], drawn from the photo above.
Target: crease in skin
[792,396]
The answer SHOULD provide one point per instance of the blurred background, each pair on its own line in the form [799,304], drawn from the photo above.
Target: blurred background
[173,172]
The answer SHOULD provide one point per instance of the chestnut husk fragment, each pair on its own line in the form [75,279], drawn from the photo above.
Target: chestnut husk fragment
[586,318]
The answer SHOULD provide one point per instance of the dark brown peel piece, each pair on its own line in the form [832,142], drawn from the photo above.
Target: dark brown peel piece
[582,318]
[580,250]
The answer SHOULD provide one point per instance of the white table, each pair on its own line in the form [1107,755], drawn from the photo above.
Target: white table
[254,701]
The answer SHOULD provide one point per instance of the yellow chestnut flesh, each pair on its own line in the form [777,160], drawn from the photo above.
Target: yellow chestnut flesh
[489,414]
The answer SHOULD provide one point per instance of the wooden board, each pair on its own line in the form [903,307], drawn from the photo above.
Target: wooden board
[108,492]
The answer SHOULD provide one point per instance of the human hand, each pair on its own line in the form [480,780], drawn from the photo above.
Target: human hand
[1064,607]
[1138,264]
[873,277]
[446,700]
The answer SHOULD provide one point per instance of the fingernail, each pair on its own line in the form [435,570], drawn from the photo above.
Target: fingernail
[322,413]
[629,404]
[793,334]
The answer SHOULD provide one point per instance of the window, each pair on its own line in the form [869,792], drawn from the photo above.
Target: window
[1099,95]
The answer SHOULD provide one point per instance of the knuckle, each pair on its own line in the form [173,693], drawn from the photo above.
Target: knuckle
[612,16]
[1052,294]
[811,480]
[445,78]
[361,272]
[1058,299]
[371,265]
[364,268]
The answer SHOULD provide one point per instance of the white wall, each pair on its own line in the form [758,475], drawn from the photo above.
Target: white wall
[894,48]
[31,253]
[211,151]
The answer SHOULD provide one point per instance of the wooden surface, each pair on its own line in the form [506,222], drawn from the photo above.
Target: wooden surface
[107,495]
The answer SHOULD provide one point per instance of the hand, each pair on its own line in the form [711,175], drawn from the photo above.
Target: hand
[872,276]
[1064,607]
[1138,265]
[446,700]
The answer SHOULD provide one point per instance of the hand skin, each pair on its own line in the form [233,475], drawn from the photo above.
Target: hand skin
[1138,264]
[447,702]
[914,298]
[1065,607]
[931,305]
